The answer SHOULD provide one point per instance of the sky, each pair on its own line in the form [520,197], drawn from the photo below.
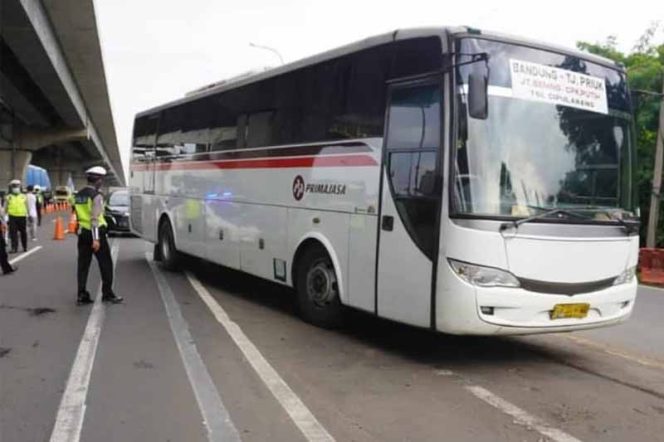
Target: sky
[157,50]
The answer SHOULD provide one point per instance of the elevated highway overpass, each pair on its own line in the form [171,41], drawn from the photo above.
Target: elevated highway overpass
[54,104]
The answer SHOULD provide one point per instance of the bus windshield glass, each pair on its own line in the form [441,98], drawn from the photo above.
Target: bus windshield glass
[558,135]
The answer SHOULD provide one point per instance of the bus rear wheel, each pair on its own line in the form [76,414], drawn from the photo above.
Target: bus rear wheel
[166,247]
[317,289]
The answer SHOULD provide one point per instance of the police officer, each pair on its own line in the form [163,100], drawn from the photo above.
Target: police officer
[7,268]
[92,239]
[17,209]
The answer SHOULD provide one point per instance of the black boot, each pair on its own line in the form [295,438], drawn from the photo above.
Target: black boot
[112,298]
[84,298]
[9,270]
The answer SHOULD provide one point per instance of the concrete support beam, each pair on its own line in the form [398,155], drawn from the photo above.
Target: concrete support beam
[13,165]
[34,140]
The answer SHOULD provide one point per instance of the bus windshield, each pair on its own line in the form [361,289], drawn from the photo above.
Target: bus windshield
[536,153]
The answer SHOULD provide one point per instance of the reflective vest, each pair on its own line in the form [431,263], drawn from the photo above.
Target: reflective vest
[83,207]
[17,205]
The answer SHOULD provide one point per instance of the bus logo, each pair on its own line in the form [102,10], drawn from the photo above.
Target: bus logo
[298,188]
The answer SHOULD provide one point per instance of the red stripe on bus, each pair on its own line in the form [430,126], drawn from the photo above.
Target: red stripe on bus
[267,163]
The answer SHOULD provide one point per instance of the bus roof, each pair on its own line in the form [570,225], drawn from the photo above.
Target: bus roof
[399,34]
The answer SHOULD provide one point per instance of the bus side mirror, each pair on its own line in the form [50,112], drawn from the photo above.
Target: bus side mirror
[478,96]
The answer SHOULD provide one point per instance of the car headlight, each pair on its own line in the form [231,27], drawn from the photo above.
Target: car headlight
[483,276]
[626,276]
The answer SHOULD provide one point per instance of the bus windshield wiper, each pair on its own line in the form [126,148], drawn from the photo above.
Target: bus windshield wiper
[630,227]
[557,211]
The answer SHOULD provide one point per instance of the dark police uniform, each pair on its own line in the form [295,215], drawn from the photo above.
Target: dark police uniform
[89,206]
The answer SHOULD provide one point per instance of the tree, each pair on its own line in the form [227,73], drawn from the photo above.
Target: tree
[645,72]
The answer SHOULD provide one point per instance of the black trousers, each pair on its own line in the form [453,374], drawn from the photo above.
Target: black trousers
[104,260]
[4,263]
[39,214]
[17,227]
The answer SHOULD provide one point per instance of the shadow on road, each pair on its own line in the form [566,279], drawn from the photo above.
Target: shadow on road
[418,345]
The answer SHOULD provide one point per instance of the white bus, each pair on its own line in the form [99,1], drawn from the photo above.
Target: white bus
[463,181]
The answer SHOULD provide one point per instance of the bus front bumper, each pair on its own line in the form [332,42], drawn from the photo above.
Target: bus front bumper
[466,309]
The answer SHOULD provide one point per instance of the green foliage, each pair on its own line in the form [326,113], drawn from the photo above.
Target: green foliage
[645,72]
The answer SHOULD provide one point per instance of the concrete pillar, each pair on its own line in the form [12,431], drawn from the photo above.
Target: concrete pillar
[80,182]
[59,176]
[13,165]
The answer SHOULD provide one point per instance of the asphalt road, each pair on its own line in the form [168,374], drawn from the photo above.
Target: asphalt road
[216,355]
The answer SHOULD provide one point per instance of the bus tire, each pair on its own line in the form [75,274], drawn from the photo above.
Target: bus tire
[167,251]
[317,289]
[156,253]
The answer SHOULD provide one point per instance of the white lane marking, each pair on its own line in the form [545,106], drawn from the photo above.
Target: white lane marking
[653,287]
[69,420]
[215,416]
[25,255]
[520,416]
[648,362]
[298,412]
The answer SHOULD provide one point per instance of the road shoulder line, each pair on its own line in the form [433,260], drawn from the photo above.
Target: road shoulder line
[302,417]
[613,351]
[215,416]
[520,416]
[71,412]
[25,255]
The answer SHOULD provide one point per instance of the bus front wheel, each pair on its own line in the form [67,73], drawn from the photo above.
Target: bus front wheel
[317,289]
[167,251]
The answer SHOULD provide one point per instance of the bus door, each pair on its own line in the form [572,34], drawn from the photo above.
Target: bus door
[410,202]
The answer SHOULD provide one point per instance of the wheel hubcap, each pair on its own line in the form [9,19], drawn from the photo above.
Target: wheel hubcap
[321,284]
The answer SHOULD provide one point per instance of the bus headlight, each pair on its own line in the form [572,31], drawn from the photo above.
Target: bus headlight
[483,276]
[626,276]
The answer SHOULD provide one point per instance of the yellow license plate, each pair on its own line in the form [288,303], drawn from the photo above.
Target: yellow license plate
[563,311]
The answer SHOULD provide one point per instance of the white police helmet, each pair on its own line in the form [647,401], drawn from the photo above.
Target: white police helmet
[37,188]
[96,171]
[15,183]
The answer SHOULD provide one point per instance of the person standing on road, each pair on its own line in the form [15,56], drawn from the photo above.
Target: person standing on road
[40,204]
[92,238]
[32,213]
[7,268]
[17,209]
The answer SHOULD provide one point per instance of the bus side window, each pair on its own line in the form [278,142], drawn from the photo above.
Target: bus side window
[259,129]
[145,133]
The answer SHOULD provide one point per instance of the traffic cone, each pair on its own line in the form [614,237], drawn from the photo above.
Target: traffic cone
[59,229]
[73,224]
